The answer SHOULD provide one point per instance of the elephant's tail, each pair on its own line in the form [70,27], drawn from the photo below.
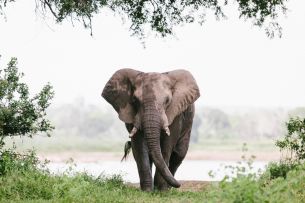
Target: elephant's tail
[127,149]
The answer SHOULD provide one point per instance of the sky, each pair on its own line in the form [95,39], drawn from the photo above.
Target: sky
[234,63]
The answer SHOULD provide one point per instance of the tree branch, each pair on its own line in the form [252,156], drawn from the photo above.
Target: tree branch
[50,8]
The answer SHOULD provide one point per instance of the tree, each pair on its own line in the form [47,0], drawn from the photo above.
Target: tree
[162,16]
[20,114]
[294,141]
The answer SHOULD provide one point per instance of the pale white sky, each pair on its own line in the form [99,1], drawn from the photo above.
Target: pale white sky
[235,64]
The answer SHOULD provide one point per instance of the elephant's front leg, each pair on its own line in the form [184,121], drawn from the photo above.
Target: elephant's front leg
[140,153]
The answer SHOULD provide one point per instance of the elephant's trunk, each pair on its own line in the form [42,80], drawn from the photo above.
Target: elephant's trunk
[152,129]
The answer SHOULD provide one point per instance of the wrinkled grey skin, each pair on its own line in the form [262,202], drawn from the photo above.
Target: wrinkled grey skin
[158,111]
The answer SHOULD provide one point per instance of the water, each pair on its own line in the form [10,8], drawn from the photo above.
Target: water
[189,170]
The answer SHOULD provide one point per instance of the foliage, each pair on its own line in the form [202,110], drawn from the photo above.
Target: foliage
[294,141]
[293,145]
[163,16]
[281,182]
[278,170]
[11,161]
[246,188]
[21,114]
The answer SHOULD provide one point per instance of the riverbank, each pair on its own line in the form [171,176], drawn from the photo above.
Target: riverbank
[92,157]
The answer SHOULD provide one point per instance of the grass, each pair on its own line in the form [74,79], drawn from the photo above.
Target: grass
[24,179]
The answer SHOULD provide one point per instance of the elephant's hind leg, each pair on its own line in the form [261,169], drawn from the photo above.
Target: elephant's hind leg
[176,160]
[182,145]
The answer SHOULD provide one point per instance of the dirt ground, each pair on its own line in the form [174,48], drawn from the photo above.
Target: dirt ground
[193,185]
[186,185]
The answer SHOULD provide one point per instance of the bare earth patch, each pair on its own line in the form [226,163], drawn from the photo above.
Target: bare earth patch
[193,185]
[186,185]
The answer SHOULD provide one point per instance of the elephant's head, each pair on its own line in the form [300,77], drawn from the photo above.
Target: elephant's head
[151,101]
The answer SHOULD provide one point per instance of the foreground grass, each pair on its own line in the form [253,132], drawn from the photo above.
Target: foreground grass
[24,179]
[81,188]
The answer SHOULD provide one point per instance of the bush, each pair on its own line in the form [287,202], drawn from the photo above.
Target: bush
[21,114]
[13,161]
[293,148]
[294,141]
[279,169]
[248,189]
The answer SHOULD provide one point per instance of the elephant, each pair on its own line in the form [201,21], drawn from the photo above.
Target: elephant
[158,111]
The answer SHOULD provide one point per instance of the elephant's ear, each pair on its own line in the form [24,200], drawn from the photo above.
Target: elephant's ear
[185,92]
[119,91]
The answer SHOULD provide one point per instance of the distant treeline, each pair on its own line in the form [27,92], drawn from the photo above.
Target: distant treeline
[80,119]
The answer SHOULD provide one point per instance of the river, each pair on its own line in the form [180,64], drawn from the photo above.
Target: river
[189,169]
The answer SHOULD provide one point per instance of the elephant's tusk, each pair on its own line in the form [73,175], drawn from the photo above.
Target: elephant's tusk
[133,132]
[167,131]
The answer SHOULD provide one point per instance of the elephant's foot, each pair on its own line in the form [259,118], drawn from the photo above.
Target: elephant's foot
[146,186]
[160,184]
[163,188]
[146,189]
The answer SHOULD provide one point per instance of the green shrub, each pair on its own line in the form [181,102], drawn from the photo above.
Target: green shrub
[20,114]
[294,141]
[293,148]
[11,161]
[279,169]
[248,188]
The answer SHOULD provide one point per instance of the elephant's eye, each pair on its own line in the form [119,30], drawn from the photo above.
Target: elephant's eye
[167,100]
[135,100]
